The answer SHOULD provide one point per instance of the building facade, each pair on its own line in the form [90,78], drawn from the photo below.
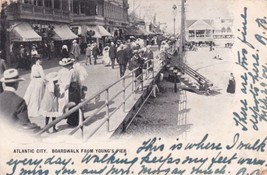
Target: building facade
[40,22]
[99,19]
[217,30]
[60,21]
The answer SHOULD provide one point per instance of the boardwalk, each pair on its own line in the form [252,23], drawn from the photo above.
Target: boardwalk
[99,77]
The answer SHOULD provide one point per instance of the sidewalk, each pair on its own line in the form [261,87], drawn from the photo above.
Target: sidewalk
[95,71]
[99,77]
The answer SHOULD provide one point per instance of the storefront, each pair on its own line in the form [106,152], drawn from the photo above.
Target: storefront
[90,34]
[22,35]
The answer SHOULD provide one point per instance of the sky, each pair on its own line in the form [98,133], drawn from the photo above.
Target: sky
[195,9]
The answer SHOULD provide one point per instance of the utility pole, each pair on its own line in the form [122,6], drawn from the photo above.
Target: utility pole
[174,7]
[182,33]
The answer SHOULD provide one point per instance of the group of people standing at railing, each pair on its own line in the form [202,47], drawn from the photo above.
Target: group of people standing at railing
[48,95]
[53,94]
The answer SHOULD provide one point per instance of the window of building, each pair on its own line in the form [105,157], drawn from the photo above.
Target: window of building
[48,4]
[83,7]
[27,1]
[91,9]
[76,7]
[223,30]
[57,4]
[65,5]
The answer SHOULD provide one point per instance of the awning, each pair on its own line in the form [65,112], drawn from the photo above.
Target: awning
[24,33]
[103,31]
[63,32]
[100,31]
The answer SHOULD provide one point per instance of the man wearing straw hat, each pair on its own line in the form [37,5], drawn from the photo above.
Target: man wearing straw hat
[13,108]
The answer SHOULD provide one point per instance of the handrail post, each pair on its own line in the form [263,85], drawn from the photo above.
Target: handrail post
[135,80]
[107,109]
[123,94]
[142,82]
[81,121]
[153,68]
[147,69]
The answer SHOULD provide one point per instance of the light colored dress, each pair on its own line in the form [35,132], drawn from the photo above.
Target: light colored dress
[34,93]
[106,58]
[49,105]
[81,71]
[65,77]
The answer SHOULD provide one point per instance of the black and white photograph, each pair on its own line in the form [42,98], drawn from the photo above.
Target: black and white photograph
[133,87]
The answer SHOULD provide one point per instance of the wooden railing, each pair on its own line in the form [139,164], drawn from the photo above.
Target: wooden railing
[135,85]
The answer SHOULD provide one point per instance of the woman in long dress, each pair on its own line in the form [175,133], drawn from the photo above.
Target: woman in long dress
[106,58]
[35,90]
[231,84]
[70,89]
[49,106]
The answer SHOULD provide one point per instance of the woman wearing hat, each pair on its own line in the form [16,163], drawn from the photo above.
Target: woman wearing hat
[35,90]
[49,105]
[136,62]
[106,58]
[70,89]
[65,76]
[64,51]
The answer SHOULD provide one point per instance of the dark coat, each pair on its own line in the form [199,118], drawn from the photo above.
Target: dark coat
[135,62]
[13,108]
[122,58]
[129,52]
[112,52]
[95,51]
[231,86]
[150,55]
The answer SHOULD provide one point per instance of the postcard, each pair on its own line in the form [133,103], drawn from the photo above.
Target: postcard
[133,87]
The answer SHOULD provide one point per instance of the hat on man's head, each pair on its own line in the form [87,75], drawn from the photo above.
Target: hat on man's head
[53,76]
[11,76]
[148,46]
[74,41]
[135,51]
[66,61]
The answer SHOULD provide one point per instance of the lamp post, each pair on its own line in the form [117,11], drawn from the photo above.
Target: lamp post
[174,7]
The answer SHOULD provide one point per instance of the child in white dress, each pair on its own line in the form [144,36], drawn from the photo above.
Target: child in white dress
[49,107]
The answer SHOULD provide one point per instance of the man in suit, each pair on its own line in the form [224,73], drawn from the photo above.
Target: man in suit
[112,54]
[122,59]
[95,52]
[75,49]
[13,109]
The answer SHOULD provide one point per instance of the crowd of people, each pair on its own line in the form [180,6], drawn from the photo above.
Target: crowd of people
[53,94]
[46,95]
[120,53]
